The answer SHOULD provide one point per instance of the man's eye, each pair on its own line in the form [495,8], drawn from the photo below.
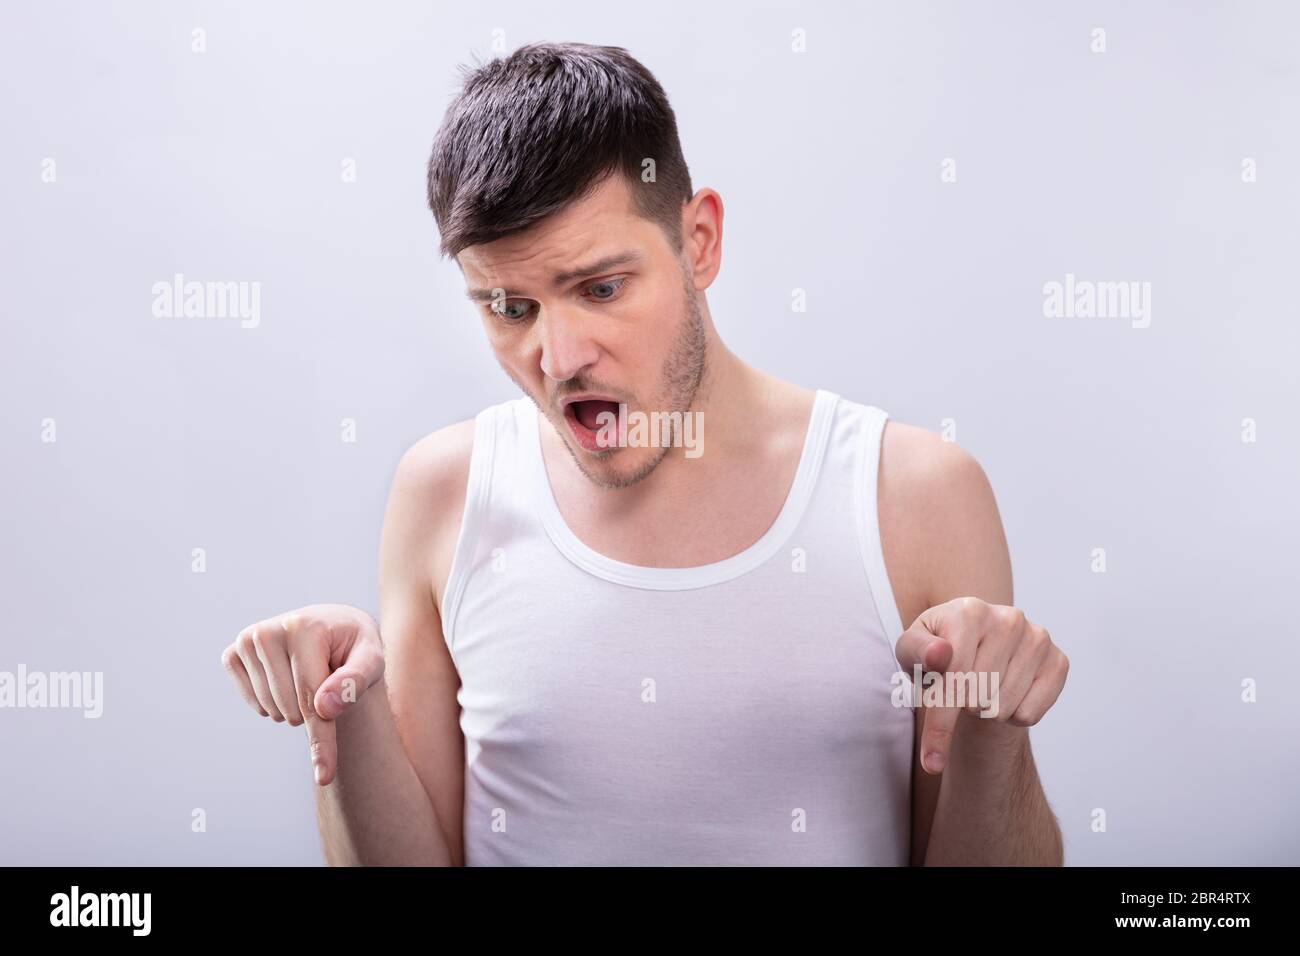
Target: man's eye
[512,310]
[606,289]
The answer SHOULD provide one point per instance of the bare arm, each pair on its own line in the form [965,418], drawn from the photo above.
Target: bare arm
[944,540]
[375,812]
[399,792]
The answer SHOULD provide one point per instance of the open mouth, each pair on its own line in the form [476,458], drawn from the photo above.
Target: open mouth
[588,417]
[588,412]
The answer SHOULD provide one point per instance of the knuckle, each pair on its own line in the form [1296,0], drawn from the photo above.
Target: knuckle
[244,643]
[1013,617]
[311,630]
[370,628]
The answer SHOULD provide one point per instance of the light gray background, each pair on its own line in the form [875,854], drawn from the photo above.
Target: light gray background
[924,298]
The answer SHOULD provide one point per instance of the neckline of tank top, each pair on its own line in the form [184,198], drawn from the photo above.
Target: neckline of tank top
[677,579]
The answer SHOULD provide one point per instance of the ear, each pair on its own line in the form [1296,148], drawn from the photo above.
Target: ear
[702,237]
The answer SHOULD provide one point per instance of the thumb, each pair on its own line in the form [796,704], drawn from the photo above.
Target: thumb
[343,688]
[919,645]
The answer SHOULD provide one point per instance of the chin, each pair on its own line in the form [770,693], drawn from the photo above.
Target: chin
[617,468]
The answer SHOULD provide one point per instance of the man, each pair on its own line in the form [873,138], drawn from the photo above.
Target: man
[610,644]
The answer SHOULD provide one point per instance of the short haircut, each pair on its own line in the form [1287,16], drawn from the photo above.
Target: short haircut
[539,129]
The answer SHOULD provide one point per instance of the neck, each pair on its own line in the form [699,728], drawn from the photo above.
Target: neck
[741,409]
[734,399]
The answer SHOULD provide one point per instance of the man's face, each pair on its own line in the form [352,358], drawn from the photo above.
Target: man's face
[593,301]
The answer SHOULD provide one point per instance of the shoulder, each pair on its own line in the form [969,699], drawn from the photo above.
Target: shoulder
[921,467]
[940,529]
[425,503]
[438,462]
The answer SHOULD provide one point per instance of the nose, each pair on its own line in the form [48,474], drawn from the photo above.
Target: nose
[566,343]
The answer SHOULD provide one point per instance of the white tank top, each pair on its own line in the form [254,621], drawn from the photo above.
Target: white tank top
[738,712]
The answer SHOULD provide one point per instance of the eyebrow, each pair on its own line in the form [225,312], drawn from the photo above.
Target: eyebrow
[563,278]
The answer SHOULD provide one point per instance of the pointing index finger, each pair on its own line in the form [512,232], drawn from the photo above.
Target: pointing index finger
[310,671]
[941,719]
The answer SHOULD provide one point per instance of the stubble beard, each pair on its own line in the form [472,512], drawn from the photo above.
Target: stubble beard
[682,374]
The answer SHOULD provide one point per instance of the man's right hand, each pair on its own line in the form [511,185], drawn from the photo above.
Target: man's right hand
[307,666]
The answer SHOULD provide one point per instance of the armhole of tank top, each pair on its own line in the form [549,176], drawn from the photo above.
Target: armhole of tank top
[868,521]
[476,491]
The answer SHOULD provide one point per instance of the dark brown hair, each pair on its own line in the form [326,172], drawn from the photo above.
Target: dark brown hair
[531,133]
